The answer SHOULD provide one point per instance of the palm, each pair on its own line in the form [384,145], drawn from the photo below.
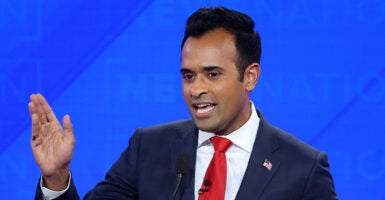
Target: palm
[55,149]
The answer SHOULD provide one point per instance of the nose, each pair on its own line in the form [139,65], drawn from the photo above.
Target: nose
[198,88]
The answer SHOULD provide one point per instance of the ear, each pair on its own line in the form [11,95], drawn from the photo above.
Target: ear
[251,76]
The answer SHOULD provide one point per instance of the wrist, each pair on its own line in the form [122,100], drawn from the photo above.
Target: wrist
[57,181]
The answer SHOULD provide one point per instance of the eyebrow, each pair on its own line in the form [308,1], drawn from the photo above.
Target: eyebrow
[184,70]
[205,68]
[211,68]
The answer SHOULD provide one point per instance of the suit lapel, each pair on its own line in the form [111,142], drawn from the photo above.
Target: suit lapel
[185,142]
[258,175]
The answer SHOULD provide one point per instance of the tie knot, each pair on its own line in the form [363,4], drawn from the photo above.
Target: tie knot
[220,144]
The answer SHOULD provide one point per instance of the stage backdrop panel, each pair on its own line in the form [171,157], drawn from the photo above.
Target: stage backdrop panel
[114,67]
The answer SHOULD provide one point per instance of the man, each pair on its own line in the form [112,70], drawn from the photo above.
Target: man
[219,67]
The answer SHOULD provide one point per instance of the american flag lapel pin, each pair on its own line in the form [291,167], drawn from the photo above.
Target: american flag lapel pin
[267,164]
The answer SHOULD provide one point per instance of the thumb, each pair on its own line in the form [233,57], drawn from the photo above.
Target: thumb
[68,128]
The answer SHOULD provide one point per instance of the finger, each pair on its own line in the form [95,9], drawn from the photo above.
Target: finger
[35,120]
[67,125]
[36,127]
[31,108]
[68,129]
[38,108]
[47,109]
[32,105]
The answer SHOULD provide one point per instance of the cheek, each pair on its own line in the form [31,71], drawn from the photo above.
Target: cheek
[228,89]
[185,91]
[232,94]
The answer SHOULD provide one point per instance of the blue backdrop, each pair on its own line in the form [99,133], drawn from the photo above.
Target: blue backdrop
[114,67]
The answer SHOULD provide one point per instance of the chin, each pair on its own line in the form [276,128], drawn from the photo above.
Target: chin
[206,128]
[207,124]
[203,126]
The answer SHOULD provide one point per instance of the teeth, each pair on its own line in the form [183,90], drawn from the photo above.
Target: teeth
[202,105]
[205,110]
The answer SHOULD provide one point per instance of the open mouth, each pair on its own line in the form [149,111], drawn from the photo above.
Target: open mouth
[203,108]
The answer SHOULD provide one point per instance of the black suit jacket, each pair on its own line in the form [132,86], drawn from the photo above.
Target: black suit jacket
[146,169]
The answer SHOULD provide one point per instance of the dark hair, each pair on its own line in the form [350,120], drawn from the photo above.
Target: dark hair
[247,40]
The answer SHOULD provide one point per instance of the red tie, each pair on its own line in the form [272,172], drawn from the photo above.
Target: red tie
[214,183]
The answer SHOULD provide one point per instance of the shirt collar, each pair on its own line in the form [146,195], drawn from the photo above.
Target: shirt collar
[243,137]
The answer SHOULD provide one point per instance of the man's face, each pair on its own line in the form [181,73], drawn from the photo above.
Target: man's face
[218,102]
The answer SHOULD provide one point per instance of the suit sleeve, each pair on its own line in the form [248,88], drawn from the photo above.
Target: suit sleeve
[121,180]
[71,193]
[320,184]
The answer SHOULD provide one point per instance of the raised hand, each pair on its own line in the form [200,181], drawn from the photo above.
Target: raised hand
[52,146]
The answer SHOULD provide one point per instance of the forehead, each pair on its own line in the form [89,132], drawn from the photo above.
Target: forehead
[215,48]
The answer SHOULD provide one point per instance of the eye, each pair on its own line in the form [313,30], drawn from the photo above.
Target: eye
[213,74]
[187,76]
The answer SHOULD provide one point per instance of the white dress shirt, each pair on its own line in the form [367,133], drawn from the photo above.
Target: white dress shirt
[237,155]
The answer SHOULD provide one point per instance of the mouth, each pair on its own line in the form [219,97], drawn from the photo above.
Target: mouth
[203,109]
